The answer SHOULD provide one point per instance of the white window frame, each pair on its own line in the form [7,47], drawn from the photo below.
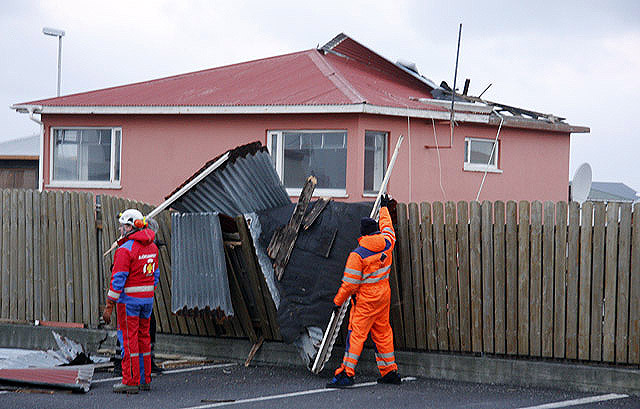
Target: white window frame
[386,155]
[111,184]
[479,167]
[279,160]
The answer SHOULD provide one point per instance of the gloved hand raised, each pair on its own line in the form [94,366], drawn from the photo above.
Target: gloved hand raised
[336,308]
[385,200]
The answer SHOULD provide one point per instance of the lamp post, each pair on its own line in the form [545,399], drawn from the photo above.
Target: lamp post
[56,33]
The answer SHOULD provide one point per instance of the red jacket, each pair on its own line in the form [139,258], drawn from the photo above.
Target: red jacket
[135,270]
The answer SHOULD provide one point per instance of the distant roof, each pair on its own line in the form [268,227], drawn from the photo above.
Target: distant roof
[611,191]
[341,76]
[21,148]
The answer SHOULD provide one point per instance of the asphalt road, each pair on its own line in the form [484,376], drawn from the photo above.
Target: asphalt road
[234,386]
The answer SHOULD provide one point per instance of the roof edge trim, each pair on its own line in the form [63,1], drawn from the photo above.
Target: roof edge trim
[253,109]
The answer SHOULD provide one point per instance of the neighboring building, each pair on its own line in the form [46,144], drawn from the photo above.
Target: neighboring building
[19,163]
[335,112]
[612,192]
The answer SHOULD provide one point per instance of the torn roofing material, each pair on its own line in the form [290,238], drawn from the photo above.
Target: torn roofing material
[245,182]
[314,271]
[76,378]
[199,280]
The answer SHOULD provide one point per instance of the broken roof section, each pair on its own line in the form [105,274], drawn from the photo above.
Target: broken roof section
[242,180]
[343,76]
[198,263]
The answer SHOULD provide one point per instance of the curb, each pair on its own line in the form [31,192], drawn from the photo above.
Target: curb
[454,367]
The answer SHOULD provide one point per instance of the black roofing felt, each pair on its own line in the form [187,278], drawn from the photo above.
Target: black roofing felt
[310,280]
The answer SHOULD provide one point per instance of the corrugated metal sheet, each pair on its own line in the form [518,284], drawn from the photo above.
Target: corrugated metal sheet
[247,184]
[77,378]
[199,271]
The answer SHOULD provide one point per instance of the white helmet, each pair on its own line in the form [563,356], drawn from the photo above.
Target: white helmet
[132,217]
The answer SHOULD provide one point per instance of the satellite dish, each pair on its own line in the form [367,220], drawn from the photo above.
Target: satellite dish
[581,184]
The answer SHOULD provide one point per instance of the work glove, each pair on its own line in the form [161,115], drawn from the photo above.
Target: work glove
[336,308]
[385,200]
[108,309]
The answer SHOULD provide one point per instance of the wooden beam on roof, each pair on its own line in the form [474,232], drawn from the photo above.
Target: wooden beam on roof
[525,123]
[283,241]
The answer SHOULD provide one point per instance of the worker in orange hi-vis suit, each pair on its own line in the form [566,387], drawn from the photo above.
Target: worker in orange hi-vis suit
[366,276]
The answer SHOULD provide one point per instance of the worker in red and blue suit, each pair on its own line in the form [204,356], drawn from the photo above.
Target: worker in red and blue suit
[134,277]
[366,278]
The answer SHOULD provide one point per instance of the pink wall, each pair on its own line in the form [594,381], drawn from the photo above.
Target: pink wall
[160,151]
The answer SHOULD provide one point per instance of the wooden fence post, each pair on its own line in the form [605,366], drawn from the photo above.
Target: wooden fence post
[499,291]
[451,249]
[511,237]
[584,300]
[547,279]
[464,283]
[560,296]
[475,264]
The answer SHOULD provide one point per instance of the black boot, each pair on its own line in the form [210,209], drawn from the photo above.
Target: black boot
[392,378]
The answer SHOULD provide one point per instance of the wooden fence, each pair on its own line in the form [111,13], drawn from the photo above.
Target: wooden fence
[530,279]
[524,279]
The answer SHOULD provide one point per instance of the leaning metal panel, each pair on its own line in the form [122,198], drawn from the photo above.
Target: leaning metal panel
[247,184]
[199,278]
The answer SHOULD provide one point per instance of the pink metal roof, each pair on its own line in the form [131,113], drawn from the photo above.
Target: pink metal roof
[352,75]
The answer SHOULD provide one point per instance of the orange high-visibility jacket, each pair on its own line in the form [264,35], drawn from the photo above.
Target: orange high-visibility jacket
[366,273]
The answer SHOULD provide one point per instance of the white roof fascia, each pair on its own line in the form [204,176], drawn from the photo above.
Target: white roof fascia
[458,106]
[254,109]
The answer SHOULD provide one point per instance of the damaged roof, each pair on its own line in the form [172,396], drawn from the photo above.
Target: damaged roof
[239,181]
[343,76]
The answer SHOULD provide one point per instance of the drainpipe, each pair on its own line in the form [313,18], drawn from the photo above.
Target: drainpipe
[41,158]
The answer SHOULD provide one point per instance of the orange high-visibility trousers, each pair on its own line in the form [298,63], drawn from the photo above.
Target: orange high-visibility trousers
[371,317]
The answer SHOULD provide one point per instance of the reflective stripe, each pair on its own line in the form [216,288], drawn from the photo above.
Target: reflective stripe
[136,354]
[351,280]
[353,271]
[349,364]
[387,355]
[375,279]
[388,230]
[146,354]
[385,363]
[138,289]
[378,271]
[352,356]
[113,294]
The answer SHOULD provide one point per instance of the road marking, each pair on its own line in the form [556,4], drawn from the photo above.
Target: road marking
[575,402]
[1,392]
[195,368]
[288,395]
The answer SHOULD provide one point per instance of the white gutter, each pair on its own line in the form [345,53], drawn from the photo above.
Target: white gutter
[363,108]
[458,106]
[189,185]
[40,158]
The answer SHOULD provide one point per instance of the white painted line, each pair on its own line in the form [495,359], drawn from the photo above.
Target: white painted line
[1,392]
[198,368]
[288,395]
[195,368]
[575,402]
[106,380]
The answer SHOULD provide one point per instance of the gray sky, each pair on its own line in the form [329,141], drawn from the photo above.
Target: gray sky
[575,59]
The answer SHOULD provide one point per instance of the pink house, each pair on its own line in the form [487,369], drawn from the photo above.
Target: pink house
[335,112]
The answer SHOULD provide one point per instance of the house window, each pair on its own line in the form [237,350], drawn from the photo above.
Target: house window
[86,157]
[300,154]
[480,155]
[375,160]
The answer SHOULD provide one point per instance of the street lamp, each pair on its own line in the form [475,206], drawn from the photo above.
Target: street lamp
[56,33]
